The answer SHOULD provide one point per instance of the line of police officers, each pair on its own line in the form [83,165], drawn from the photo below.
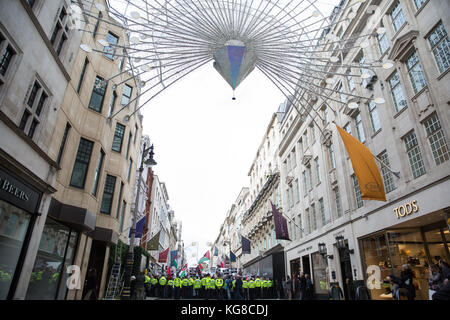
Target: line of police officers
[210,287]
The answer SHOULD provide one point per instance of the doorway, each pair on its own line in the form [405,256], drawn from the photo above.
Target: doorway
[306,268]
[96,261]
[295,266]
[346,272]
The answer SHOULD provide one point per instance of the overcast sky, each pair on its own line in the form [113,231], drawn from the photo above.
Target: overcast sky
[205,143]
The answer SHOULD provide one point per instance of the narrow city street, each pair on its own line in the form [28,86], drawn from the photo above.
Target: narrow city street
[259,152]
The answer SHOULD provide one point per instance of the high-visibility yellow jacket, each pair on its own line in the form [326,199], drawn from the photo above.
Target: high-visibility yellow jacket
[154,281]
[203,281]
[212,284]
[177,282]
[147,279]
[219,283]
[197,284]
[258,283]
[244,284]
[191,282]
[162,281]
[170,283]
[251,284]
[185,282]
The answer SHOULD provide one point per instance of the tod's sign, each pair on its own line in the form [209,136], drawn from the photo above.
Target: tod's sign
[406,209]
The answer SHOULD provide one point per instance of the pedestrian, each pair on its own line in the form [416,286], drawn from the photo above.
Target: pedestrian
[295,286]
[238,288]
[395,283]
[91,285]
[309,292]
[407,281]
[350,289]
[278,289]
[288,288]
[227,287]
[302,286]
[434,280]
[445,269]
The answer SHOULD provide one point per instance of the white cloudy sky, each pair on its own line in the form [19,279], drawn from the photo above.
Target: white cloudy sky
[205,143]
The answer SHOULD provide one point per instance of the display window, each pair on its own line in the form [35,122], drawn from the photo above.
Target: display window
[13,228]
[387,252]
[320,273]
[56,252]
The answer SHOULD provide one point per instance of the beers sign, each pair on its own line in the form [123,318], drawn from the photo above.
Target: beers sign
[406,209]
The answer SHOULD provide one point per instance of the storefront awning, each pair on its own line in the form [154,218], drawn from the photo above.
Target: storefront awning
[104,235]
[80,219]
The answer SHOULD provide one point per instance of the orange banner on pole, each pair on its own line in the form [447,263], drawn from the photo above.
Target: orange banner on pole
[366,170]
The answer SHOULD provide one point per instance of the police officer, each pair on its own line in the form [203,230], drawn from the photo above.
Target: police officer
[191,287]
[245,288]
[154,284]
[219,288]
[177,288]
[147,284]
[212,288]
[169,289]
[257,288]
[184,290]
[251,287]
[197,287]
[162,287]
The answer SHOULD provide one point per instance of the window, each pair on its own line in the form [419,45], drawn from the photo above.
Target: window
[112,103]
[325,115]
[419,3]
[98,169]
[128,145]
[298,190]
[119,201]
[416,75]
[6,59]
[397,16]
[135,133]
[300,225]
[436,139]
[308,221]
[94,33]
[98,94]
[294,158]
[63,143]
[109,51]
[397,92]
[60,31]
[440,45]
[350,81]
[339,89]
[359,127]
[288,163]
[388,179]
[81,166]
[313,133]
[305,140]
[83,72]
[33,109]
[316,162]
[414,154]
[108,194]
[130,164]
[305,183]
[126,94]
[313,213]
[374,119]
[118,137]
[288,197]
[337,198]
[348,128]
[359,201]
[383,42]
[31,3]
[331,156]
[322,211]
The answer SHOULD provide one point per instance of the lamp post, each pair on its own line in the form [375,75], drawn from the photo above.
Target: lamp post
[130,255]
[323,251]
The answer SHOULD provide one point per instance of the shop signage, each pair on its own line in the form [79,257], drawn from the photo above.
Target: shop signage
[17,193]
[406,209]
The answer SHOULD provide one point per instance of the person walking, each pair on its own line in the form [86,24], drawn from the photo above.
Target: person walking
[434,280]
[238,288]
[227,287]
[288,288]
[309,288]
[407,281]
[91,285]
[302,286]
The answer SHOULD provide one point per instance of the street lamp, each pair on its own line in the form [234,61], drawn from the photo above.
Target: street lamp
[130,256]
[340,244]
[323,251]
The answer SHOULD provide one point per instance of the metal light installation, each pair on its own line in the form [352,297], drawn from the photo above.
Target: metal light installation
[288,41]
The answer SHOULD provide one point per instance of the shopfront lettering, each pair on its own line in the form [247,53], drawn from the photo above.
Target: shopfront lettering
[406,209]
[10,188]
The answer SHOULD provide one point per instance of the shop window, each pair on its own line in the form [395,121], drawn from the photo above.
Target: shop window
[13,227]
[56,252]
[320,273]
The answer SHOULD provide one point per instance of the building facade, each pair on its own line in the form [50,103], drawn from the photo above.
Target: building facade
[37,48]
[363,241]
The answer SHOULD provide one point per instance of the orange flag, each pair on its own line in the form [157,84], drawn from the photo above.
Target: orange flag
[366,170]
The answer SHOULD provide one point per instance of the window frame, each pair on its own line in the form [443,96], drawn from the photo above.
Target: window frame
[87,163]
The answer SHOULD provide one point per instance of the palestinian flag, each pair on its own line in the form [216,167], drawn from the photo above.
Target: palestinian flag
[183,270]
[205,258]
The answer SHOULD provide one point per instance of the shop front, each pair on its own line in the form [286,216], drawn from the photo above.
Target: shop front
[271,264]
[418,242]
[19,204]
